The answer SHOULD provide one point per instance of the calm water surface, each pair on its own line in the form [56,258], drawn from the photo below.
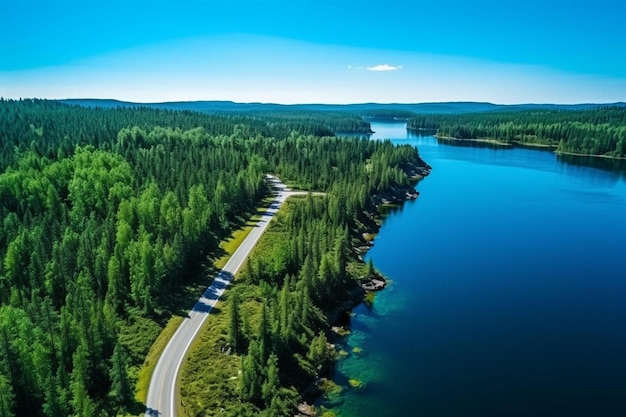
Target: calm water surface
[508,293]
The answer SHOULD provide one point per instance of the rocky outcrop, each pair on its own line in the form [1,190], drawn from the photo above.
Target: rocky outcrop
[373,284]
[305,410]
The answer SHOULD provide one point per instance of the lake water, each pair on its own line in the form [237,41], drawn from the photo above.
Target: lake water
[507,293]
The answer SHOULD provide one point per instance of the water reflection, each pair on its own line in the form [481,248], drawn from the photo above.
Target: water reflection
[615,166]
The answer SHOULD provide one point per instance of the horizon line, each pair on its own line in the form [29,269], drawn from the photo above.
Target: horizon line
[317,103]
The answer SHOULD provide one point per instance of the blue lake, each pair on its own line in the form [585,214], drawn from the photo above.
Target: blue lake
[507,293]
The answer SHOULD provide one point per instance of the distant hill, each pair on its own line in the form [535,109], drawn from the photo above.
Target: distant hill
[364,109]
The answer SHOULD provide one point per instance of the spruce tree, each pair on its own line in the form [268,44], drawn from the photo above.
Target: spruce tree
[7,398]
[120,385]
[272,383]
[371,271]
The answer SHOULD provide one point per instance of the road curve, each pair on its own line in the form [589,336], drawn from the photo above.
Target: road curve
[163,392]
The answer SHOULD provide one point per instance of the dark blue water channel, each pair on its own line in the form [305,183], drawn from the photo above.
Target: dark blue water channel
[507,294]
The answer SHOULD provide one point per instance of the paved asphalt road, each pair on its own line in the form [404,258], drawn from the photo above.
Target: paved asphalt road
[163,391]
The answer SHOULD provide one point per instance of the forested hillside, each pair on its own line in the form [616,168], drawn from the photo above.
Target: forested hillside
[107,212]
[270,119]
[364,109]
[590,132]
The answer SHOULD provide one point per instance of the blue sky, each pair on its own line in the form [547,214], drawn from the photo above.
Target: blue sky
[315,51]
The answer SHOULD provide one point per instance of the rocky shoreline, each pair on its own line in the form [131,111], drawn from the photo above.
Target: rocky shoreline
[339,317]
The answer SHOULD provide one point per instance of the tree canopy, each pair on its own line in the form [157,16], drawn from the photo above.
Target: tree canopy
[105,213]
[599,131]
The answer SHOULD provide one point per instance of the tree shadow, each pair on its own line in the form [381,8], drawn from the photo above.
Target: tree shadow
[138,408]
[198,275]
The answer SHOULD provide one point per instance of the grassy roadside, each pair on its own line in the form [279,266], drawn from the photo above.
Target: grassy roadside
[230,246]
[209,378]
[143,374]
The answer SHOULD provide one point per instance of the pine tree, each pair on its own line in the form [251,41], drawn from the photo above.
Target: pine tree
[81,402]
[120,385]
[7,398]
[318,353]
[371,271]
[325,280]
[272,383]
[264,335]
[251,374]
[341,254]
[54,405]
[284,325]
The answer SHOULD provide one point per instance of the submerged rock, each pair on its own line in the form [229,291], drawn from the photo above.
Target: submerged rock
[356,383]
[332,393]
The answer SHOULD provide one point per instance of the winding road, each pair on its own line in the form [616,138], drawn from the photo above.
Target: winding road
[163,392]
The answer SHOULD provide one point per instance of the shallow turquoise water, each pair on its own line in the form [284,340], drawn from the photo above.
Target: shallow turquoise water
[508,292]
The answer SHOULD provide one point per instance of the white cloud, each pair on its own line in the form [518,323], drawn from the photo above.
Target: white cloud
[384,67]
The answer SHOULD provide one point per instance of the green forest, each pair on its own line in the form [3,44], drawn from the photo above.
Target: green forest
[107,214]
[600,131]
[275,318]
[318,123]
